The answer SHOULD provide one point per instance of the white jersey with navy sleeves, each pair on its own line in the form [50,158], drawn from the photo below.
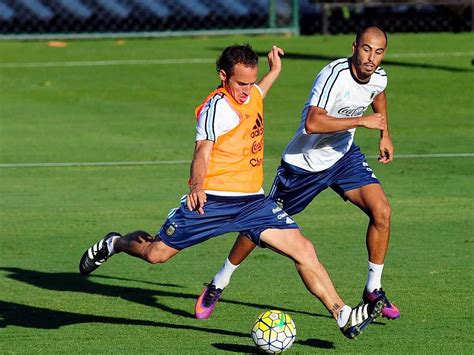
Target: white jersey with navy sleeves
[216,118]
[210,128]
[338,91]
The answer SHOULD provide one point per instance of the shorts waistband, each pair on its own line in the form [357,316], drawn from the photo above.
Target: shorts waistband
[295,169]
[354,149]
[244,198]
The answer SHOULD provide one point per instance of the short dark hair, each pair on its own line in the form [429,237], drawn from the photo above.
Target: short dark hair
[236,54]
[364,29]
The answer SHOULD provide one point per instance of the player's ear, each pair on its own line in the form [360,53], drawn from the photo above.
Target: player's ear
[222,75]
[354,46]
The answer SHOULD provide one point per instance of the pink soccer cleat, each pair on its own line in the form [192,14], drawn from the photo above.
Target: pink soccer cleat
[207,301]
[390,311]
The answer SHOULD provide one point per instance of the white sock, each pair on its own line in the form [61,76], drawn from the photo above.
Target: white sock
[374,277]
[110,245]
[343,316]
[222,278]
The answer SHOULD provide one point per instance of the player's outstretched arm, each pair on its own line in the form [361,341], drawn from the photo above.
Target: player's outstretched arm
[274,64]
[197,197]
[379,105]
[318,121]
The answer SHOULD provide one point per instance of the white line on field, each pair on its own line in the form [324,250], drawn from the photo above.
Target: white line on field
[99,163]
[177,162]
[94,63]
[428,155]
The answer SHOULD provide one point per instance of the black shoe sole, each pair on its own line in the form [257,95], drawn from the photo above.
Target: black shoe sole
[376,312]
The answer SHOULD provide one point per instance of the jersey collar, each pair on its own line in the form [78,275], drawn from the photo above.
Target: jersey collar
[349,60]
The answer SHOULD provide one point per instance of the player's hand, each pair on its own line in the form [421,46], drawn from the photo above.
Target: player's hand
[375,121]
[196,199]
[274,60]
[386,150]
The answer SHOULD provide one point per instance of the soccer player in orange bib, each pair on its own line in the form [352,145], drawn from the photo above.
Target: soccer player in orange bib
[226,193]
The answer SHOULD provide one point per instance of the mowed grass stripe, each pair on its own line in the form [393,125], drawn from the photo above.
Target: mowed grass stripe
[91,63]
[176,162]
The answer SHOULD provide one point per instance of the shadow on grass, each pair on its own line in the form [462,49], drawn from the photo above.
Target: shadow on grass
[136,280]
[15,314]
[238,348]
[35,317]
[329,58]
[74,282]
[316,343]
[20,315]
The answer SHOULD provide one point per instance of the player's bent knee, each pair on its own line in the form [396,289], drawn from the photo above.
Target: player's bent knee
[157,252]
[154,255]
[382,215]
[154,258]
[304,250]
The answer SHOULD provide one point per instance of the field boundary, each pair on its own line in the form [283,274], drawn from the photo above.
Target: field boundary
[178,162]
[170,61]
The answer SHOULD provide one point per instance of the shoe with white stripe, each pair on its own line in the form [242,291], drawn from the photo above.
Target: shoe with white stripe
[361,316]
[96,255]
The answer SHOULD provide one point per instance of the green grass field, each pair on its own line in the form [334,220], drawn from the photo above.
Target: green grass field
[144,112]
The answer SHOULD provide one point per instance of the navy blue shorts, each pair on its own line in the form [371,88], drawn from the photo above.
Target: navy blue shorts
[294,188]
[250,215]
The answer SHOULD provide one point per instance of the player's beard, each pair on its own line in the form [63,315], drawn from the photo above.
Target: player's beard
[363,71]
[369,68]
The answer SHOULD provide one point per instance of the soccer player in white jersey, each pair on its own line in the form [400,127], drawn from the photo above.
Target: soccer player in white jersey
[322,154]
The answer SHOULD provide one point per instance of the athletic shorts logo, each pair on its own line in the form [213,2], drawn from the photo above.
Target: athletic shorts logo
[171,229]
[369,169]
[276,209]
[279,203]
